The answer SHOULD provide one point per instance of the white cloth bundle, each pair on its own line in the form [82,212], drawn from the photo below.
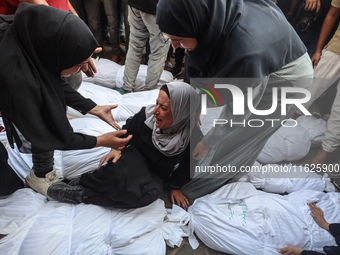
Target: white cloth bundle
[110,74]
[238,219]
[166,77]
[329,203]
[71,164]
[68,164]
[132,103]
[316,128]
[99,94]
[128,104]
[35,226]
[288,178]
[286,144]
[106,75]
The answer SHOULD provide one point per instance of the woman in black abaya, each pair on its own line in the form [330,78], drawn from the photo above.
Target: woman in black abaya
[236,39]
[42,45]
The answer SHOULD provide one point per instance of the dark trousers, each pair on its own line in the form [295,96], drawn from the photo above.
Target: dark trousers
[43,163]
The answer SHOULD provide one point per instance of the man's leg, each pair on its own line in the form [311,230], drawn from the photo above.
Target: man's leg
[159,45]
[138,36]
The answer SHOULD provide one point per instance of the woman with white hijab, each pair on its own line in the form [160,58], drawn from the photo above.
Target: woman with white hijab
[157,156]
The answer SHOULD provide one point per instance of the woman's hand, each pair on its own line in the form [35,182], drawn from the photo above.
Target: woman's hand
[290,250]
[179,199]
[200,151]
[317,214]
[91,70]
[112,140]
[104,112]
[114,155]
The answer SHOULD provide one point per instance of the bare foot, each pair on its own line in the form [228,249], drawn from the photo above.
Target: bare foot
[320,158]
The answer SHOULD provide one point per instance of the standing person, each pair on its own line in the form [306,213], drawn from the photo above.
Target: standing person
[327,68]
[236,39]
[331,141]
[326,57]
[8,7]
[33,96]
[113,11]
[142,20]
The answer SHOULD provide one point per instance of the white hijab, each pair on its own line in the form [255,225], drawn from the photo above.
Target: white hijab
[184,102]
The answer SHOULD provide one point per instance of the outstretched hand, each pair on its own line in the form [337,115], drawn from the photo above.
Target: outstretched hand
[113,154]
[179,199]
[113,140]
[317,214]
[104,112]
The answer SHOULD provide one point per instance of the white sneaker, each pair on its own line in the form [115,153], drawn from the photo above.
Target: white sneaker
[41,185]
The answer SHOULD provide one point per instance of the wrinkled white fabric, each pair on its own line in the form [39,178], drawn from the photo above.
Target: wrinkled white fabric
[286,144]
[316,128]
[110,74]
[37,226]
[288,178]
[238,219]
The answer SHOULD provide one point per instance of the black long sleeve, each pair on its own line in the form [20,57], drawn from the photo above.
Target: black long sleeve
[75,100]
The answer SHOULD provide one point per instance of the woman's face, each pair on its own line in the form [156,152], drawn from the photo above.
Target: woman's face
[83,66]
[162,111]
[189,44]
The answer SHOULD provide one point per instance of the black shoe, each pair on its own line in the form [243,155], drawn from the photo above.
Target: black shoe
[176,71]
[74,182]
[331,250]
[63,192]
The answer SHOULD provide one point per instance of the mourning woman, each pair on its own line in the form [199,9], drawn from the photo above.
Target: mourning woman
[157,157]
[42,45]
[252,44]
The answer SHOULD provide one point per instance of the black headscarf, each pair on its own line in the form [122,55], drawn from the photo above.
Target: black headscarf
[236,38]
[42,42]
